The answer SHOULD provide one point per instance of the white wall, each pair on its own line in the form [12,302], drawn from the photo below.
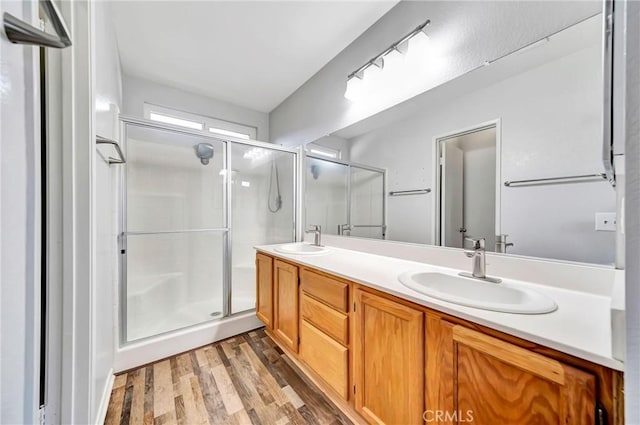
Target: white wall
[108,98]
[539,139]
[466,33]
[137,91]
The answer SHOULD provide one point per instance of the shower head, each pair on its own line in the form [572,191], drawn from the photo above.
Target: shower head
[315,171]
[204,151]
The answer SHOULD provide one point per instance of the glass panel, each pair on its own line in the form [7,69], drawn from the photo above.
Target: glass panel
[169,186]
[262,199]
[326,194]
[367,232]
[174,280]
[367,202]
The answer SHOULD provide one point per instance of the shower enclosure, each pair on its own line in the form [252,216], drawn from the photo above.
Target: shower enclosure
[193,206]
[345,199]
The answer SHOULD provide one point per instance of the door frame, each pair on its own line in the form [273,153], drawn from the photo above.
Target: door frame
[435,203]
[72,215]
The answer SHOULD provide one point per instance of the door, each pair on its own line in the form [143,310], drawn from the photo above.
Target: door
[286,303]
[452,196]
[30,355]
[388,360]
[469,188]
[366,206]
[489,381]
[19,226]
[262,212]
[326,195]
[264,289]
[175,231]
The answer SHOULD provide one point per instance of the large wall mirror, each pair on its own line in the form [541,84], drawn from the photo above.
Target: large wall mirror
[510,152]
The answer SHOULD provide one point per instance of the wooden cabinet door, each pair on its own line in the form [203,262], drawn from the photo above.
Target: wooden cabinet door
[388,360]
[286,303]
[264,289]
[481,379]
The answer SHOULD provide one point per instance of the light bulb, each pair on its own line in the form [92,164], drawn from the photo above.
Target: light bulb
[418,46]
[373,76]
[393,62]
[354,89]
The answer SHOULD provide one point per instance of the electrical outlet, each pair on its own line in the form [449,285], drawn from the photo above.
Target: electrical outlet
[606,222]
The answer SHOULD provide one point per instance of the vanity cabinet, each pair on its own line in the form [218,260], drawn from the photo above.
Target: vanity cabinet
[324,327]
[286,281]
[483,379]
[388,360]
[264,289]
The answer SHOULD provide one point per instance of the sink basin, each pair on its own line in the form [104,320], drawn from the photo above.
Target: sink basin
[301,248]
[503,297]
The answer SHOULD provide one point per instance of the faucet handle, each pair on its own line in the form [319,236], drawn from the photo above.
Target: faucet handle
[477,243]
[315,228]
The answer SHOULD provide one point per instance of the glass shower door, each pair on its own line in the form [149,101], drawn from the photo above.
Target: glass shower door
[175,231]
[367,203]
[262,212]
[326,195]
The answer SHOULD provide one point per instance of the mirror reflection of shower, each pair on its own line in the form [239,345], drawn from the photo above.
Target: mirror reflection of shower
[345,199]
[274,198]
[204,151]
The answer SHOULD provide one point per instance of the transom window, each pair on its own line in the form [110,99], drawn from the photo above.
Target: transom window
[199,122]
[322,151]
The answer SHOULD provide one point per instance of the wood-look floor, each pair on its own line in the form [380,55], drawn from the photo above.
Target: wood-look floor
[242,380]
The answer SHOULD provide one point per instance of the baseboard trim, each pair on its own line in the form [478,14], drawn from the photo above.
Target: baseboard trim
[106,397]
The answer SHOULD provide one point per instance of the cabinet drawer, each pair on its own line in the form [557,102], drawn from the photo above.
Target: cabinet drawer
[325,356]
[330,321]
[330,291]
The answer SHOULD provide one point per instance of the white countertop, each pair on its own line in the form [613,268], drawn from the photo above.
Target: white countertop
[581,326]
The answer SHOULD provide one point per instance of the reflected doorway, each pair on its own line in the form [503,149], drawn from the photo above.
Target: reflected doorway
[468,164]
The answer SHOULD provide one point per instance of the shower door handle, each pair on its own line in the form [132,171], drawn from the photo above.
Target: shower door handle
[19,32]
[122,243]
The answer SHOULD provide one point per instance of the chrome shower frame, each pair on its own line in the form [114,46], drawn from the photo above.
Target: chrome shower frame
[227,229]
[348,164]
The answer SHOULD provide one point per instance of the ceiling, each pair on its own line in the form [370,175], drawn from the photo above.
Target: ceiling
[249,53]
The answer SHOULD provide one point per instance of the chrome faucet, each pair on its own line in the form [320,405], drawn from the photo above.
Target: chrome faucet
[479,261]
[316,229]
